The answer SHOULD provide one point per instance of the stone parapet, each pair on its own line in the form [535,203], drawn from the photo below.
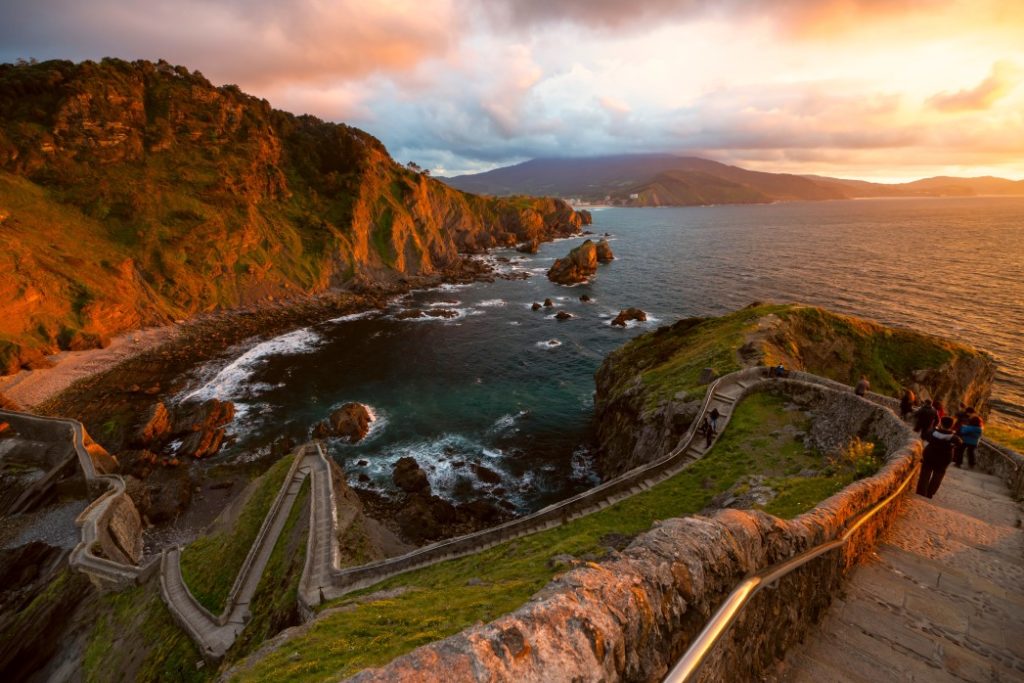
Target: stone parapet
[1005,463]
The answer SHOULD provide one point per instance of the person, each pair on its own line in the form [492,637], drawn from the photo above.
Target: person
[970,435]
[714,415]
[940,412]
[862,386]
[925,419]
[708,430]
[907,403]
[963,414]
[942,443]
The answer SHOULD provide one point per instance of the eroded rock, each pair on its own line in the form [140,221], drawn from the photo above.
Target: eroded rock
[627,314]
[579,265]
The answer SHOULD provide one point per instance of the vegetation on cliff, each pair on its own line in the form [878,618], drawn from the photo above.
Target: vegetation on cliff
[210,564]
[134,193]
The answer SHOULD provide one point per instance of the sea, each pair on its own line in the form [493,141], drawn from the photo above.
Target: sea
[510,389]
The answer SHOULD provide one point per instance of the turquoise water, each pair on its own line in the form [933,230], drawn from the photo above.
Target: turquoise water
[511,389]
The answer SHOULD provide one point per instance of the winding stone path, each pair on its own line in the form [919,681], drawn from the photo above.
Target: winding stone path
[942,599]
[215,634]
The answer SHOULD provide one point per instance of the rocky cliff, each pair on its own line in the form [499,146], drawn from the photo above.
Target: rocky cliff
[136,193]
[648,391]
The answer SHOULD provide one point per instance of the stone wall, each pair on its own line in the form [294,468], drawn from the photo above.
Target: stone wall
[1005,463]
[632,617]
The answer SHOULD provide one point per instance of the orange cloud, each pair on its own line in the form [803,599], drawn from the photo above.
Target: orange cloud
[1003,78]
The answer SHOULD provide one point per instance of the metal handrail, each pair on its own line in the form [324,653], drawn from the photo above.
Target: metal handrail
[687,668]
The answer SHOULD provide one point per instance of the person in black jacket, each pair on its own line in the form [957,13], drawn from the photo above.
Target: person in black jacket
[942,444]
[925,419]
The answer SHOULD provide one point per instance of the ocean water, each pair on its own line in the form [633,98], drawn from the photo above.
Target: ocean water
[511,389]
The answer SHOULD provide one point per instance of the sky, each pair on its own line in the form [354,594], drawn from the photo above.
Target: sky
[884,90]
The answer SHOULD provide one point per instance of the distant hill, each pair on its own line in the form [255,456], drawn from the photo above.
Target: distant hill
[671,180]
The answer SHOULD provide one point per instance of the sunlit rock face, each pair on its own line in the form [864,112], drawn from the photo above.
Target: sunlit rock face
[136,193]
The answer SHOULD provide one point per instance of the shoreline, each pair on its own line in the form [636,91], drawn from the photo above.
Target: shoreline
[31,388]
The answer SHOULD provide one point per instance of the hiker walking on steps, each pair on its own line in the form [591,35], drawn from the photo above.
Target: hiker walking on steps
[925,419]
[707,428]
[942,444]
[862,386]
[714,415]
[970,434]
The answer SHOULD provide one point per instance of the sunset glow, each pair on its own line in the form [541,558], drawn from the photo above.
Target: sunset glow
[855,88]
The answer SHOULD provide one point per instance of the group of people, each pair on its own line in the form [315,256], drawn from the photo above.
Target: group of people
[948,438]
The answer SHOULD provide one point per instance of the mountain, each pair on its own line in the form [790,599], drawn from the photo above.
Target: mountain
[670,180]
[134,193]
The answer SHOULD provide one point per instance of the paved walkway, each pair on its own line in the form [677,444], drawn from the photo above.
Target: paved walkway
[942,599]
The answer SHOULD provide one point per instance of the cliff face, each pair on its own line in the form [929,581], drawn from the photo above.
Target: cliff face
[649,391]
[135,193]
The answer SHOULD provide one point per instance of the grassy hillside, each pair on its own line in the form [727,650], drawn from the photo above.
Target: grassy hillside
[647,391]
[133,193]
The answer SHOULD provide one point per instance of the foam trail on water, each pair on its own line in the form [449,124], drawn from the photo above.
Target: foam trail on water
[232,382]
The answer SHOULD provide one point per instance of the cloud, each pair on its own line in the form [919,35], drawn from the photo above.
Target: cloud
[257,43]
[1003,78]
[798,15]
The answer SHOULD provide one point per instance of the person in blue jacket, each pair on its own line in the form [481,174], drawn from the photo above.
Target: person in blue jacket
[970,434]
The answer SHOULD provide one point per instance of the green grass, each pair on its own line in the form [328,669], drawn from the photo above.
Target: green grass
[210,564]
[439,600]
[134,637]
[671,359]
[888,356]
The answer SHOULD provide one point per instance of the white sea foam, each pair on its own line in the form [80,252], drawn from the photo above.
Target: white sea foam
[548,344]
[460,313]
[507,421]
[232,382]
[582,463]
[355,316]
[492,303]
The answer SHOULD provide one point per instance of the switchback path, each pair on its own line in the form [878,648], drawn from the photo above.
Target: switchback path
[941,600]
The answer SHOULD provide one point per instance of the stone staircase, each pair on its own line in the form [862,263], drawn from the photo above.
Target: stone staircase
[942,599]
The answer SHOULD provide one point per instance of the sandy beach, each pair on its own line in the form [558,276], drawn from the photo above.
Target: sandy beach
[29,388]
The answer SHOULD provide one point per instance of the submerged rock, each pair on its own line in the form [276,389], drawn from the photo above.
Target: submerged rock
[563,315]
[486,474]
[410,477]
[627,314]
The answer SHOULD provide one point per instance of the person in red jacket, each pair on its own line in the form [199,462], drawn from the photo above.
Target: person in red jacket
[942,444]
